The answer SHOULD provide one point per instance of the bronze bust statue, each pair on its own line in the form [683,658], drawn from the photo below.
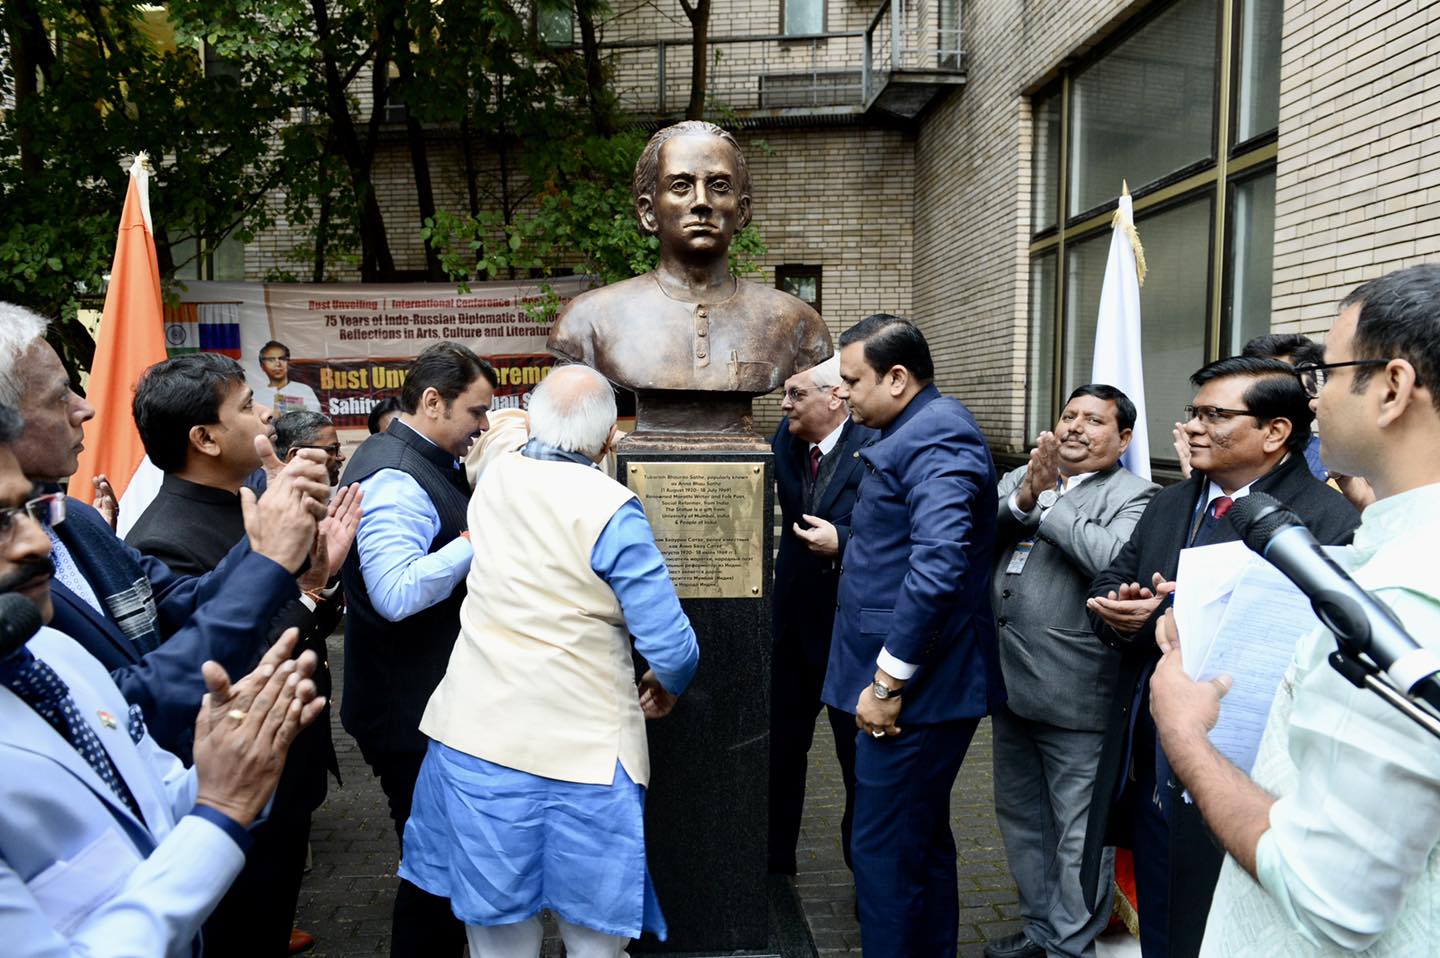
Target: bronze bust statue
[693,342]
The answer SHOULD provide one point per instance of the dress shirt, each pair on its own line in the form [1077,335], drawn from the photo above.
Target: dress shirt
[828,443]
[69,573]
[401,574]
[1350,859]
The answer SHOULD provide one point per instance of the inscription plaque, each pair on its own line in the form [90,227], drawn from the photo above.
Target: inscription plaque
[708,524]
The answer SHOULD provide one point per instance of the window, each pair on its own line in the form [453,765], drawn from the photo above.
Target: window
[802,18]
[802,282]
[555,23]
[1166,107]
[226,261]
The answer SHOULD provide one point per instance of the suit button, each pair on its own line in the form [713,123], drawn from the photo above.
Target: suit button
[1005,594]
[1001,621]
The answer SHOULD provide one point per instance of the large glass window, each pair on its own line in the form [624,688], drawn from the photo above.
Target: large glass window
[1252,247]
[1155,109]
[1045,170]
[801,18]
[1257,93]
[1040,379]
[1148,107]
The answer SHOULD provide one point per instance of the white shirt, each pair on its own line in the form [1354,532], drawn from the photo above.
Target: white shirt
[829,441]
[1062,486]
[1350,860]
[287,398]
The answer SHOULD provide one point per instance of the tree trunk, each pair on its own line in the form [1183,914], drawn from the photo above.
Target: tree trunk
[602,118]
[377,264]
[29,55]
[699,17]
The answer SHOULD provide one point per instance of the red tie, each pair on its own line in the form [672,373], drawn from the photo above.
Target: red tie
[1222,506]
[814,463]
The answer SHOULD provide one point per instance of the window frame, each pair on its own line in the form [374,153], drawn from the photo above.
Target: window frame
[824,22]
[801,271]
[1229,162]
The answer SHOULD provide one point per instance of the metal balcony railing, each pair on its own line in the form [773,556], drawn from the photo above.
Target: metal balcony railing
[916,43]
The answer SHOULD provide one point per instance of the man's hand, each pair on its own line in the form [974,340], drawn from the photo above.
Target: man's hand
[876,717]
[1043,471]
[1184,710]
[821,537]
[106,502]
[655,702]
[281,526]
[333,538]
[1355,488]
[240,747]
[1127,609]
[1181,440]
[306,469]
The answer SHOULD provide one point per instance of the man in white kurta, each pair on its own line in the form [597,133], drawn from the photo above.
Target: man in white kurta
[531,795]
[1334,847]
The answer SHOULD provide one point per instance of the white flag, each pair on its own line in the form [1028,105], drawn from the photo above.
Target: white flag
[1118,359]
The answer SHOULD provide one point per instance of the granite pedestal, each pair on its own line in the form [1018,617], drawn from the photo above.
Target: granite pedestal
[705,810]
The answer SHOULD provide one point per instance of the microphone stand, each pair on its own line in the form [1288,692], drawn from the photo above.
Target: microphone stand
[1365,675]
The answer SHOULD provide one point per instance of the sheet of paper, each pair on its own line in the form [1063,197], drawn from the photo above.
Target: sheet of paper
[1203,582]
[1253,643]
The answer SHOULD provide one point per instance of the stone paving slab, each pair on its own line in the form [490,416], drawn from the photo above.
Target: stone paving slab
[347,895]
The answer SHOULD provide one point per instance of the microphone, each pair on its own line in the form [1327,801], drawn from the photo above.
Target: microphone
[1362,623]
[19,620]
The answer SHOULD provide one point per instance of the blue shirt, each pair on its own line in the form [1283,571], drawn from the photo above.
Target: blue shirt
[401,574]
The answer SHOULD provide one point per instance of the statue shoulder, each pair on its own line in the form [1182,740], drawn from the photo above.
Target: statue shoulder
[811,335]
[591,313]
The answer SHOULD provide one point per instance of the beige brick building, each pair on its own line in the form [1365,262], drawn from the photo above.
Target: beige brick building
[959,160]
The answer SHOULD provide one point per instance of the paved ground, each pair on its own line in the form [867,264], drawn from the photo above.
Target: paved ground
[347,894]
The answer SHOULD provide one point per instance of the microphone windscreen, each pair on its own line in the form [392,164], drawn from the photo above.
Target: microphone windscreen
[1257,517]
[19,620]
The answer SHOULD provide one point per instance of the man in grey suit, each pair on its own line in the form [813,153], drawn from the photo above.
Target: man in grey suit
[1061,519]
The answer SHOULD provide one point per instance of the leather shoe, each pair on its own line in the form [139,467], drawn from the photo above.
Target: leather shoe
[300,941]
[1013,946]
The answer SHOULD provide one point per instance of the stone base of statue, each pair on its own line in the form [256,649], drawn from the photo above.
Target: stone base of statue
[710,500]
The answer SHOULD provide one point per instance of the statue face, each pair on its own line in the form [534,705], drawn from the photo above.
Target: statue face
[697,207]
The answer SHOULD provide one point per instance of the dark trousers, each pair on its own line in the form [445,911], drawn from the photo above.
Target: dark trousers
[794,703]
[1150,842]
[904,853]
[421,924]
[254,918]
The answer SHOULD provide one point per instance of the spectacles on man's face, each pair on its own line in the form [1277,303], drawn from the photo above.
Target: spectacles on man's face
[1313,376]
[275,359]
[1215,415]
[48,510]
[795,394]
[332,450]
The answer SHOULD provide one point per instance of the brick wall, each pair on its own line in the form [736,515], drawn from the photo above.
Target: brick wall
[1358,180]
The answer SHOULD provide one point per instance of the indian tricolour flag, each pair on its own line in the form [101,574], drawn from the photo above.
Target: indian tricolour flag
[131,338]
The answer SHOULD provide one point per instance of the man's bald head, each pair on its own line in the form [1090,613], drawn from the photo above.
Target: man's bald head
[573,409]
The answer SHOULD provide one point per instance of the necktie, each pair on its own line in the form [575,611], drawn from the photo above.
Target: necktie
[814,462]
[36,683]
[1221,506]
[1205,532]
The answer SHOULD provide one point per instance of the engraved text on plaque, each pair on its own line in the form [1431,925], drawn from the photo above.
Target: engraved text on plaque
[708,524]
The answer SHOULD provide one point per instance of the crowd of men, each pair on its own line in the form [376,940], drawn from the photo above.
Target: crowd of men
[496,700]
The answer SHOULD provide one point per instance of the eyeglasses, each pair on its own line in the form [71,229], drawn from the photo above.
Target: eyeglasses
[48,510]
[275,359]
[1312,376]
[1215,415]
[332,450]
[795,395]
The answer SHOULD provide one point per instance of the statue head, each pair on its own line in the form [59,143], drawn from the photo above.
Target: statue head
[692,188]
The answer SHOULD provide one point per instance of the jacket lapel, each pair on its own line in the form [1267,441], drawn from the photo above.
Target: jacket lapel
[849,462]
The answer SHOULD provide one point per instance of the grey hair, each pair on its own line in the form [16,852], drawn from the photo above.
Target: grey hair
[826,375]
[11,425]
[573,416]
[296,428]
[19,327]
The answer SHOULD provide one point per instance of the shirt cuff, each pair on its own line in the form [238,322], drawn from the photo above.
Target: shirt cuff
[1014,502]
[903,671]
[226,824]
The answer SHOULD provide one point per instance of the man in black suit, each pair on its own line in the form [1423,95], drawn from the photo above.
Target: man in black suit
[199,423]
[817,469]
[1248,426]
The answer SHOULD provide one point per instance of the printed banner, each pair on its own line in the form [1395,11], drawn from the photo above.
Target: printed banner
[352,343]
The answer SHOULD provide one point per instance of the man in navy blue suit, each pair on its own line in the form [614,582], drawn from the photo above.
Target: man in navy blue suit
[914,654]
[817,469]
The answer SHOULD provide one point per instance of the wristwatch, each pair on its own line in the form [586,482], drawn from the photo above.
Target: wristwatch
[883,691]
[1047,498]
